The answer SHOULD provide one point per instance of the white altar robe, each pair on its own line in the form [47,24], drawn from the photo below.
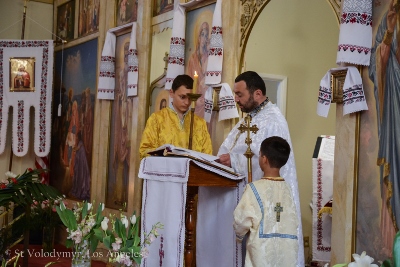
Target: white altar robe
[271,242]
[216,242]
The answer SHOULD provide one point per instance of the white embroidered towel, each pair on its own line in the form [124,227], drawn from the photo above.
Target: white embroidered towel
[324,95]
[106,85]
[176,58]
[215,54]
[227,104]
[355,37]
[208,104]
[353,92]
[133,64]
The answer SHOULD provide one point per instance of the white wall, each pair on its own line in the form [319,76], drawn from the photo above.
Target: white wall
[298,39]
[39,24]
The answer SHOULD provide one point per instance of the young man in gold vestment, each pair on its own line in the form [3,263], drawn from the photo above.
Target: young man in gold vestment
[171,125]
[267,210]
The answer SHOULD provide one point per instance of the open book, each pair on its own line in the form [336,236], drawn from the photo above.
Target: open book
[170,150]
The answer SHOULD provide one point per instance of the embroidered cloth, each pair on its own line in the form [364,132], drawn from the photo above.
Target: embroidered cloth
[40,80]
[164,200]
[353,92]
[267,212]
[323,164]
[226,103]
[176,58]
[355,36]
[215,54]
[106,85]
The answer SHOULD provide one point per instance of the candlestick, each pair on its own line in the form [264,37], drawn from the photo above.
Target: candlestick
[195,83]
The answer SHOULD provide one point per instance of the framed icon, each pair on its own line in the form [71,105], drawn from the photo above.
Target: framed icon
[22,74]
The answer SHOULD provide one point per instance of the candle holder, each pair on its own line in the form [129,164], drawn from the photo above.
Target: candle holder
[193,98]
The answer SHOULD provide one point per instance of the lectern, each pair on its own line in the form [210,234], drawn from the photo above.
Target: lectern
[199,177]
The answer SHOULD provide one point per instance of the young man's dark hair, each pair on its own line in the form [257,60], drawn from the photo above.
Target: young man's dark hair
[277,151]
[253,81]
[184,80]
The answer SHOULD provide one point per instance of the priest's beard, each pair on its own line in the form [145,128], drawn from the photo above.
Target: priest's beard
[249,105]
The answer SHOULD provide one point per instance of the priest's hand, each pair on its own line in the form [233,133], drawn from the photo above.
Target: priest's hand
[225,159]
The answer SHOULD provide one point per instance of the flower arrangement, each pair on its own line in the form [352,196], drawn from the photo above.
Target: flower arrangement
[81,224]
[362,260]
[123,240]
[46,211]
[25,188]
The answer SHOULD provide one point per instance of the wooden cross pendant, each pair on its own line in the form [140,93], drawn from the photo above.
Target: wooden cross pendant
[278,209]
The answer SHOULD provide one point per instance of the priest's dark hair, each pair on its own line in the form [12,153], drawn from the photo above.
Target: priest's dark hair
[184,80]
[253,81]
[277,151]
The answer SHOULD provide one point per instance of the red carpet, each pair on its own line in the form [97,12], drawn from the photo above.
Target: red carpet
[39,259]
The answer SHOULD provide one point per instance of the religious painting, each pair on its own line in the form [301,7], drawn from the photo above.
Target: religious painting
[198,34]
[88,17]
[126,11]
[120,130]
[22,74]
[73,119]
[66,20]
[162,6]
[378,198]
[159,99]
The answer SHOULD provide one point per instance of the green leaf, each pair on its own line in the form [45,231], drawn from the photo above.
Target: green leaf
[129,243]
[98,233]
[84,209]
[93,244]
[120,229]
[69,243]
[136,240]
[107,242]
[99,217]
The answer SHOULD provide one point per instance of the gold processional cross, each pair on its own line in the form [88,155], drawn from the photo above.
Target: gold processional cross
[278,209]
[249,154]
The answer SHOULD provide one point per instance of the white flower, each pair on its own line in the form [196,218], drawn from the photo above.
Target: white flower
[362,260]
[116,246]
[10,174]
[124,221]
[118,240]
[144,252]
[89,206]
[5,181]
[104,224]
[123,259]
[76,236]
[133,219]
[102,206]
[152,238]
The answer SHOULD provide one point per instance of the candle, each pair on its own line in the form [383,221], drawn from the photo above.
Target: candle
[195,83]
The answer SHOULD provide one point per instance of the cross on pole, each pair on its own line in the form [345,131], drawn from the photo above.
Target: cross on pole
[278,209]
[249,154]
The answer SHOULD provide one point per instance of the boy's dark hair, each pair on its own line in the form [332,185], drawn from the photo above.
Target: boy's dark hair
[253,81]
[277,151]
[184,80]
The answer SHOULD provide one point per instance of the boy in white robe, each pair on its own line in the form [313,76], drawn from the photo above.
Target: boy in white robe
[268,212]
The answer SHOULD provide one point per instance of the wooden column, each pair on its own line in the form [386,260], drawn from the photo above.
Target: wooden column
[344,186]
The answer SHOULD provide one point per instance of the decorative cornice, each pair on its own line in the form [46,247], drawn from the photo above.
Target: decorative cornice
[249,11]
[336,4]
